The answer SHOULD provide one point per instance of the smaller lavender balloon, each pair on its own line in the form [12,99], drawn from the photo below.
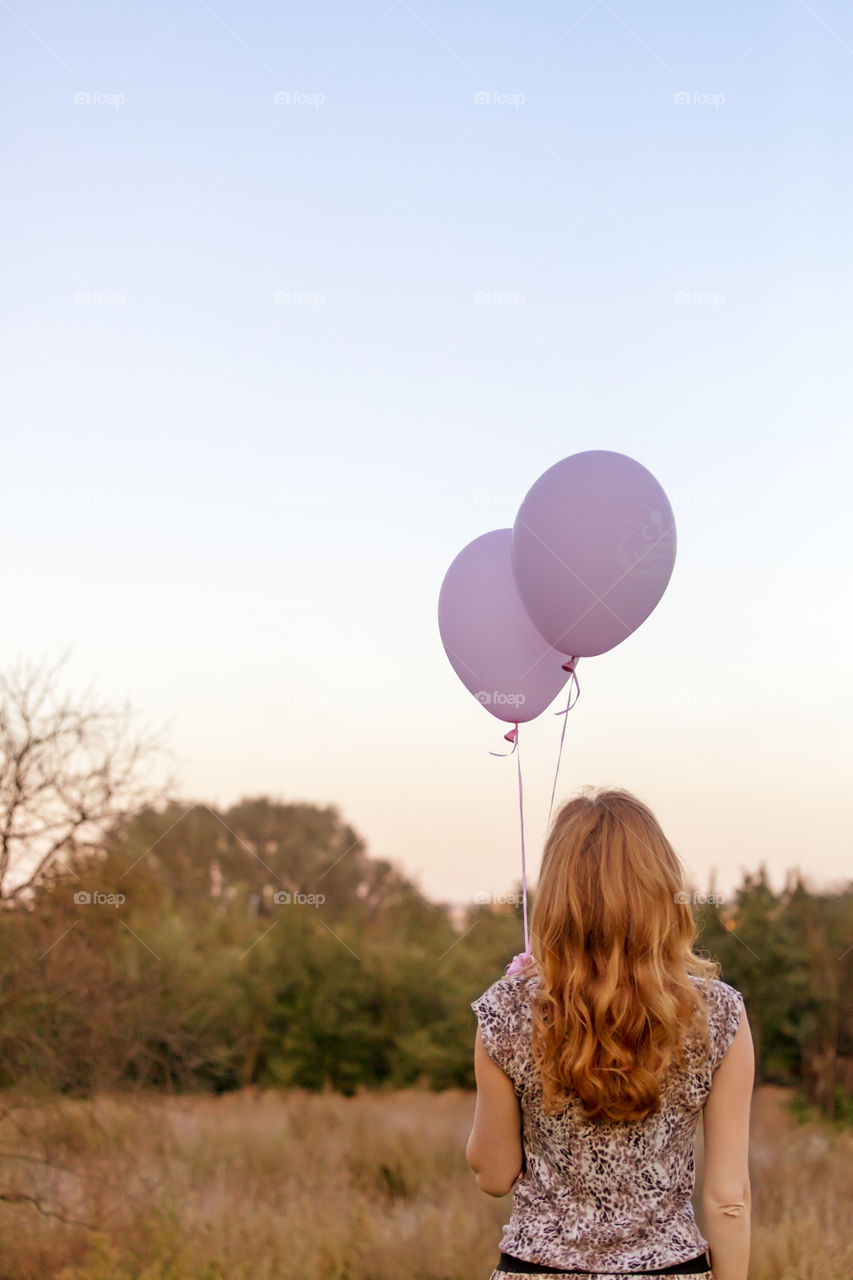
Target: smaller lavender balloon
[492,645]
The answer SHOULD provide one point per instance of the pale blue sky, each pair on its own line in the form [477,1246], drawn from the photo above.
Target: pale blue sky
[257,407]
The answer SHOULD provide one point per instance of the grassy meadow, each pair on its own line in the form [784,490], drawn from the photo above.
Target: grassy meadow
[266,1185]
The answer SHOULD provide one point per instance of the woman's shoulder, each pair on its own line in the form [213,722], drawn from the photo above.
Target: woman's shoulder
[509,994]
[511,984]
[502,1014]
[724,1003]
[716,989]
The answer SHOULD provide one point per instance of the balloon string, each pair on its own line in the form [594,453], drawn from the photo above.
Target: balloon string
[518,962]
[574,687]
[523,862]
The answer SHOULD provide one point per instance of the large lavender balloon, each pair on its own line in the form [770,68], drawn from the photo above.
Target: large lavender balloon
[492,645]
[593,547]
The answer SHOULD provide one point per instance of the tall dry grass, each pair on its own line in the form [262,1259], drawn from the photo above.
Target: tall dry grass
[299,1186]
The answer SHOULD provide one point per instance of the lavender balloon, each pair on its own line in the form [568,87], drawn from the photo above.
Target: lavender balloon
[492,645]
[593,547]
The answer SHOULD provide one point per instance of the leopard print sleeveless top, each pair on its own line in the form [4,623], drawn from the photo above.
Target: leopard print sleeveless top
[604,1196]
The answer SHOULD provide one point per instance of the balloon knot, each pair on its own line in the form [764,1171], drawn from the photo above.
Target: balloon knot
[569,664]
[519,963]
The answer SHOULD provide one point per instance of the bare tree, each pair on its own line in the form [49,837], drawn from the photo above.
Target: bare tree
[70,769]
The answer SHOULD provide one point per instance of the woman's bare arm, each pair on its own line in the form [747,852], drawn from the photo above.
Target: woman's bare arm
[494,1150]
[725,1189]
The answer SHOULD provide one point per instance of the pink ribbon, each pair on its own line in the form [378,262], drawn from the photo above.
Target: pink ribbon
[512,737]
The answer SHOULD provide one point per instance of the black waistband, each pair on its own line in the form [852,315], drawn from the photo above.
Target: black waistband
[691,1266]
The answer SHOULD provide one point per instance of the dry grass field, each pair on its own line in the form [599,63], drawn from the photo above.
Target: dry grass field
[298,1186]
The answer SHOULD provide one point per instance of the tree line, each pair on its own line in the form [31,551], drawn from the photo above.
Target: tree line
[263,945]
[172,946]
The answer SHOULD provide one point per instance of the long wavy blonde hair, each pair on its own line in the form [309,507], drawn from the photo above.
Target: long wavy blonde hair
[613,932]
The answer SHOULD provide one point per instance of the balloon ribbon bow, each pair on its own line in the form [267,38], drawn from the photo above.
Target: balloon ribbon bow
[512,737]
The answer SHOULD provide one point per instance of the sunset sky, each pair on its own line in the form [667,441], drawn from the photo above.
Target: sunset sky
[302,299]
